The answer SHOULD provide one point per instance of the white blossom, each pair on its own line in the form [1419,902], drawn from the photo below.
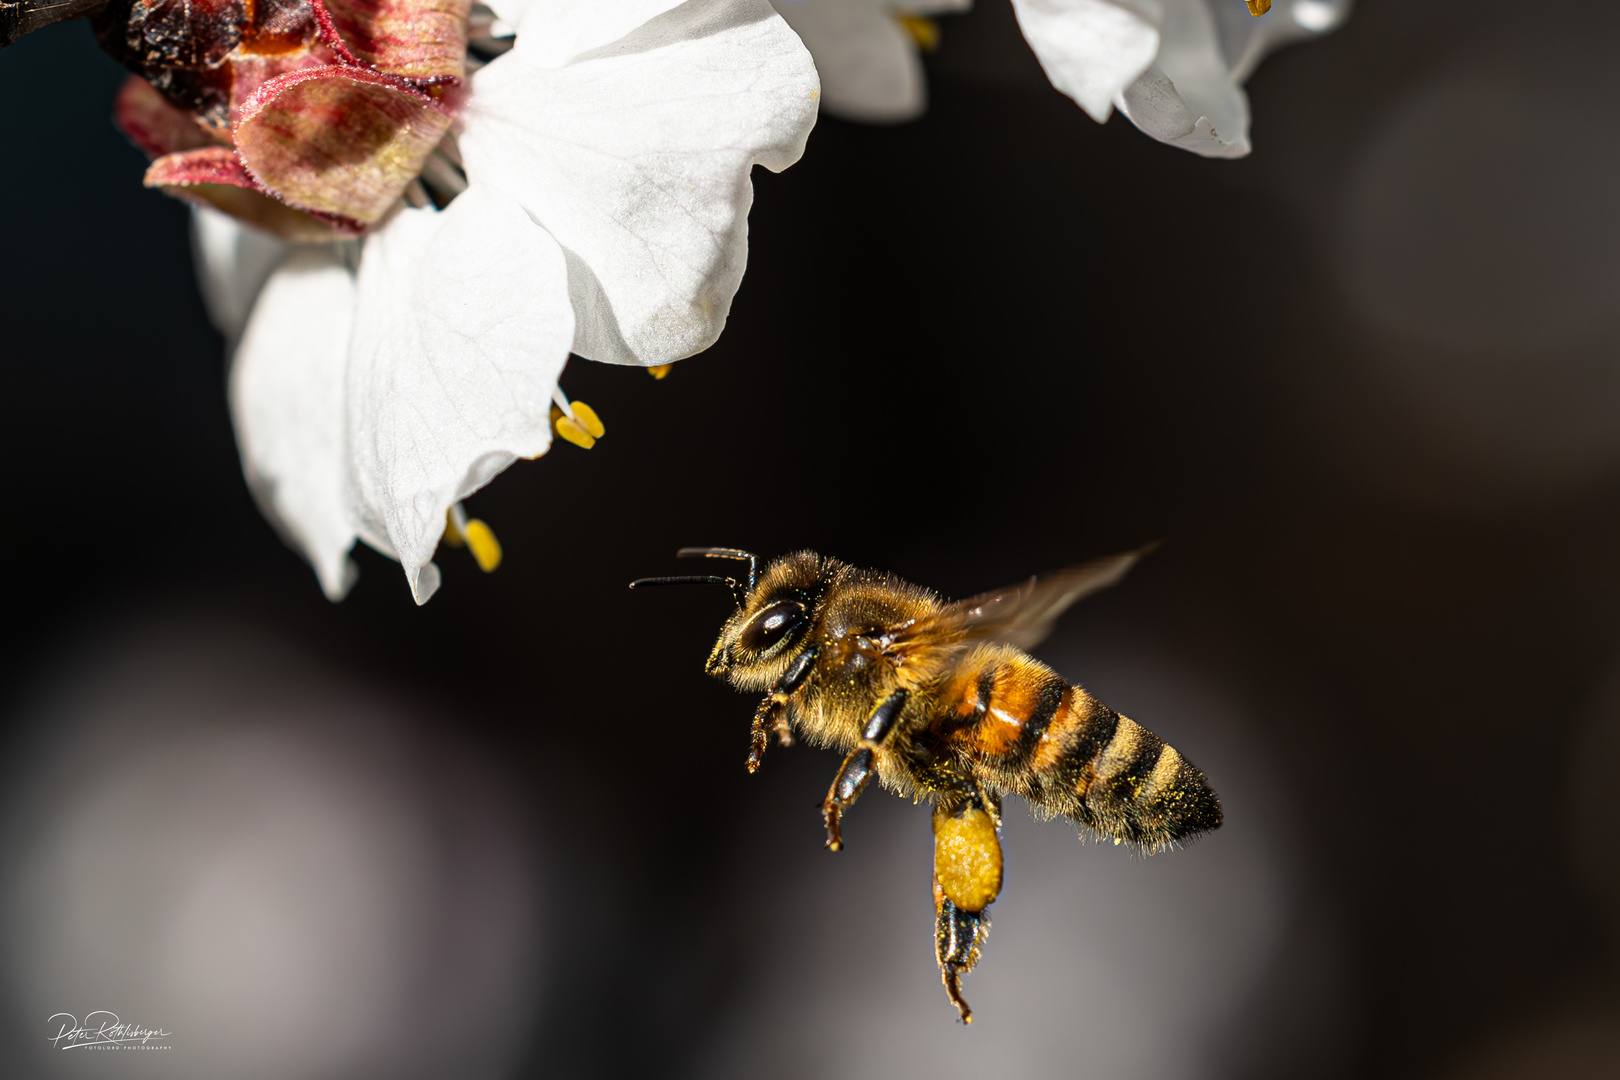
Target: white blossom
[607,157]
[867,59]
[1176,68]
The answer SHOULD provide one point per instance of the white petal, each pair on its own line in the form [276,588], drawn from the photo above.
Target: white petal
[286,397]
[868,64]
[462,329]
[1190,97]
[1246,40]
[637,159]
[932,7]
[1193,96]
[1091,49]
[233,262]
[556,31]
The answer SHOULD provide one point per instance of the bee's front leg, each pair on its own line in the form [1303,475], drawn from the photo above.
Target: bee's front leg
[856,771]
[759,735]
[771,716]
[967,878]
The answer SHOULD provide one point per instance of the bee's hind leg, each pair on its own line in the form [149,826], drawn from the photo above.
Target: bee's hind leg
[958,936]
[771,716]
[856,771]
[967,879]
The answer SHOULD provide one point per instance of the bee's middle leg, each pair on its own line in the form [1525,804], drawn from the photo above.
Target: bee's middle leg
[771,716]
[856,771]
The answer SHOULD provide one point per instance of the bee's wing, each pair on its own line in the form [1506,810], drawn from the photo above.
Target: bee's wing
[1020,615]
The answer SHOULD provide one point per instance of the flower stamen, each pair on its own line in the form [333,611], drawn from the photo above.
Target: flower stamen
[575,421]
[477,537]
[1258,8]
[925,31]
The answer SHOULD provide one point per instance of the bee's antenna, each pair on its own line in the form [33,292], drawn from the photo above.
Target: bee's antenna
[735,586]
[725,553]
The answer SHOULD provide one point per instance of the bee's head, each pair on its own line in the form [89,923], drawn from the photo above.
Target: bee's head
[773,624]
[775,612]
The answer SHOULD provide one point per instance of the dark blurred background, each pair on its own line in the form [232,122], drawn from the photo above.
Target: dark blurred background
[1364,386]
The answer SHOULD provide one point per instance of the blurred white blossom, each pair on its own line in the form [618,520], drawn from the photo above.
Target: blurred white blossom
[1176,68]
[866,52]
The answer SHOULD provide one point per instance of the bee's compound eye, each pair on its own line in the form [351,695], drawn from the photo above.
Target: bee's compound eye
[772,626]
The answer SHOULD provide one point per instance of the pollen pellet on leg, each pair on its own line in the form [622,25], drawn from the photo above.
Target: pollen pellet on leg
[658,371]
[1258,8]
[483,545]
[967,857]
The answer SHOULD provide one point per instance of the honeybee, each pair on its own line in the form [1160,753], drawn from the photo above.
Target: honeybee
[940,702]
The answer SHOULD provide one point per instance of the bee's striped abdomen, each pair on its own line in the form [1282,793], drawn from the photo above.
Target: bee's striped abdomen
[1036,736]
[1136,787]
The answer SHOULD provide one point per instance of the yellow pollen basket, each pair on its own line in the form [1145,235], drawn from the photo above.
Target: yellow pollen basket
[967,858]
[582,429]
[1258,8]
[925,32]
[658,371]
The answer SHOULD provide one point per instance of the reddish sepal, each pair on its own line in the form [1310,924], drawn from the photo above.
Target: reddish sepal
[337,139]
[249,72]
[148,120]
[214,176]
[416,39]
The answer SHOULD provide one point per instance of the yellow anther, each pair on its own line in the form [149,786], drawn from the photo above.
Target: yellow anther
[1258,8]
[452,531]
[582,428]
[586,417]
[925,32]
[658,371]
[486,550]
[567,429]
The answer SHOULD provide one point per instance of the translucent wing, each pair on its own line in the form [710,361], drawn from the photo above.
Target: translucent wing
[1020,615]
